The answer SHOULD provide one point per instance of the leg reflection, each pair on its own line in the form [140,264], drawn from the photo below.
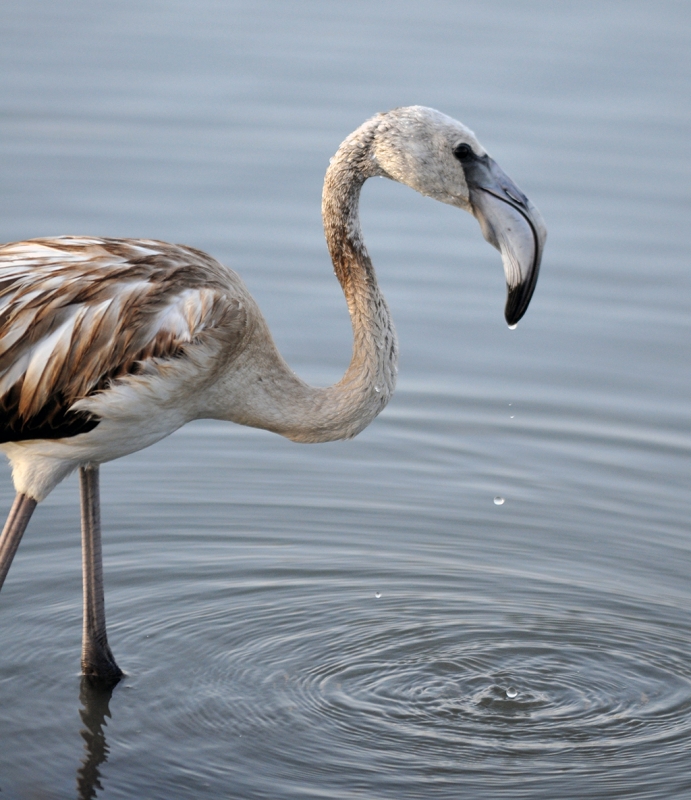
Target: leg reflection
[94,696]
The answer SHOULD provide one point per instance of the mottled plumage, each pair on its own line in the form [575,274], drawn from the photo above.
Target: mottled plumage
[78,314]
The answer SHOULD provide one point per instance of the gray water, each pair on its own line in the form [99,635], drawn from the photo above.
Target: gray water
[360,619]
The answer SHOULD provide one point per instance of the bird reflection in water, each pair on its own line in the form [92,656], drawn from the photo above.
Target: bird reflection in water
[94,696]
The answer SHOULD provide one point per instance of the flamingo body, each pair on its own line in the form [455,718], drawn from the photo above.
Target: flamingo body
[107,346]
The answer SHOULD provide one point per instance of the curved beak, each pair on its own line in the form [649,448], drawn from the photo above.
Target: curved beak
[512,224]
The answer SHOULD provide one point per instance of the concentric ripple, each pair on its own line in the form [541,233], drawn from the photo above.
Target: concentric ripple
[407,688]
[566,695]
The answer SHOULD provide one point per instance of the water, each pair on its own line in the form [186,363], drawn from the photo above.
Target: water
[347,620]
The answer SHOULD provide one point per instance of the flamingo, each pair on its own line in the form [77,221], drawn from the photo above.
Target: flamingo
[109,345]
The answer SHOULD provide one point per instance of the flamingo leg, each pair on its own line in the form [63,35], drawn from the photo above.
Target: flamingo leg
[17,520]
[97,659]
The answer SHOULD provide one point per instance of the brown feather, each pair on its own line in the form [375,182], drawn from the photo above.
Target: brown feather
[132,305]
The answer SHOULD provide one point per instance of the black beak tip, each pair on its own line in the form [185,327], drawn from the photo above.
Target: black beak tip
[517,301]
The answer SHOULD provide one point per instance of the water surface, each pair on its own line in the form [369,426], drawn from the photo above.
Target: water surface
[360,619]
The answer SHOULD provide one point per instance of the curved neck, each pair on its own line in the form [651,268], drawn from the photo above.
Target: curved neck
[287,405]
[371,376]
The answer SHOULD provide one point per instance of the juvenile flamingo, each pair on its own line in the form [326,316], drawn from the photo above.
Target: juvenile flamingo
[109,345]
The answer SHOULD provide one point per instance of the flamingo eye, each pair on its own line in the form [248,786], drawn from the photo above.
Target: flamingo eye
[463,151]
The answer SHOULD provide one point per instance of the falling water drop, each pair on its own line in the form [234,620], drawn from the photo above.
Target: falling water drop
[511,693]
[498,501]
[377,595]
[511,417]
[513,327]
[377,389]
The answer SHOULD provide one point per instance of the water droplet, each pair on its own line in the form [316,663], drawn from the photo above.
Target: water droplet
[511,417]
[511,693]
[498,501]
[377,595]
[377,389]
[513,327]
[510,404]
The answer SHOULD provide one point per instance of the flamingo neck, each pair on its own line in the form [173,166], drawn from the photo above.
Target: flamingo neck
[370,379]
[278,400]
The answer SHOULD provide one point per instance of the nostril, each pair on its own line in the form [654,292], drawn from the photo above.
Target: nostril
[520,199]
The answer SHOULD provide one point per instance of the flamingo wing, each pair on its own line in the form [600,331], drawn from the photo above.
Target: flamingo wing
[77,314]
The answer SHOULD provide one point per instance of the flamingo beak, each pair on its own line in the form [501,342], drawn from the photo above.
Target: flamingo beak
[512,224]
